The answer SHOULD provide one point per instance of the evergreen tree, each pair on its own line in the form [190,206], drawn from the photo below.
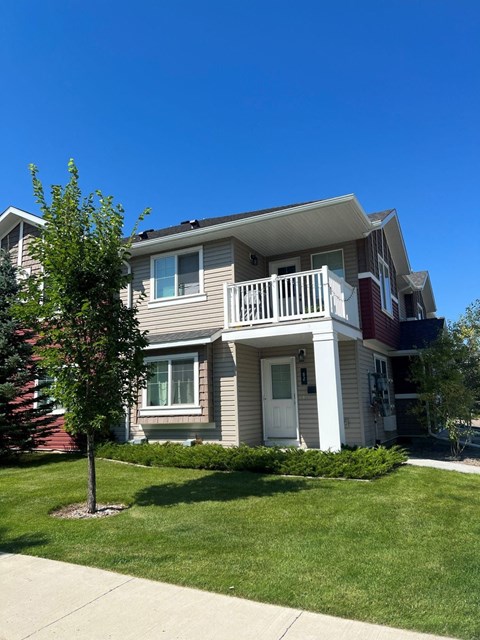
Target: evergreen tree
[24,423]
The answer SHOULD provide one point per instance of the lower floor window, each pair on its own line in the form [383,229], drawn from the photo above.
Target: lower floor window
[173,381]
[44,397]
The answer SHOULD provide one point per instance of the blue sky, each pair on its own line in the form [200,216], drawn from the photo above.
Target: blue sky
[207,108]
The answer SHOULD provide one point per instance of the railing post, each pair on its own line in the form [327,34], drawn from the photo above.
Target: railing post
[226,306]
[275,299]
[326,292]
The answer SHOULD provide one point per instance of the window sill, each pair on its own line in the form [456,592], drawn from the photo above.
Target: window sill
[168,302]
[388,313]
[171,411]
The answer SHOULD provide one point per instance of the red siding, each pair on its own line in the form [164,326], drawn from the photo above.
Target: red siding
[59,439]
[376,324]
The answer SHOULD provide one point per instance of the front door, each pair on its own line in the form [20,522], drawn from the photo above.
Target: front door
[279,389]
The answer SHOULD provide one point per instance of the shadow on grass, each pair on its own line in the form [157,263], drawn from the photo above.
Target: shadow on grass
[38,459]
[218,486]
[20,543]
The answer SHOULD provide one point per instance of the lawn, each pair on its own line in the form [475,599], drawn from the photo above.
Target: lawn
[402,550]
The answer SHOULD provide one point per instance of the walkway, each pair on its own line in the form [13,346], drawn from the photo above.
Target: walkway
[445,466]
[44,599]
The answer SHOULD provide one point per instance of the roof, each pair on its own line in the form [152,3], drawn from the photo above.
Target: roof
[13,216]
[380,216]
[418,278]
[203,223]
[418,334]
[183,338]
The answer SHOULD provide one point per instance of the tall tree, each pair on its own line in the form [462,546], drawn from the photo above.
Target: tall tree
[24,421]
[89,340]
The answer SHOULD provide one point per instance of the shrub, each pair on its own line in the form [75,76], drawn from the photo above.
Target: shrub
[360,463]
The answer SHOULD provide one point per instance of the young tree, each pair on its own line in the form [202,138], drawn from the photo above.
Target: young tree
[467,330]
[23,423]
[445,399]
[88,339]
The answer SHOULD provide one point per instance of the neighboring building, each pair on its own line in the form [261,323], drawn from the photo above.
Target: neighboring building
[280,326]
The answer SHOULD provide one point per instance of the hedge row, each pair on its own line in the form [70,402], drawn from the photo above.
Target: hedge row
[358,463]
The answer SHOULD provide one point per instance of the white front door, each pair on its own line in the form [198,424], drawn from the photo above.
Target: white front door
[279,388]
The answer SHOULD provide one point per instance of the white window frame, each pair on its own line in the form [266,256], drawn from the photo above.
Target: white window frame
[385,294]
[57,411]
[383,361]
[321,253]
[174,409]
[176,299]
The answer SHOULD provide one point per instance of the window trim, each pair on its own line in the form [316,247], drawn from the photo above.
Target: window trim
[176,299]
[59,411]
[384,360]
[174,409]
[319,253]
[386,304]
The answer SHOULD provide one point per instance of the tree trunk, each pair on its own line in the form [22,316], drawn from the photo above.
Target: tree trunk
[92,480]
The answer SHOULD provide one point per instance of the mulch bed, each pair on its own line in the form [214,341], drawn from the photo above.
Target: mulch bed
[79,511]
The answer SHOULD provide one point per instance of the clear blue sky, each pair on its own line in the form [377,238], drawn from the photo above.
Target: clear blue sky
[214,107]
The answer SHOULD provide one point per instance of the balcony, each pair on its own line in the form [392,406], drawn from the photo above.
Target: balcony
[311,295]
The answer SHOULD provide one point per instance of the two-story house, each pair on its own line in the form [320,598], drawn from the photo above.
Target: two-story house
[282,326]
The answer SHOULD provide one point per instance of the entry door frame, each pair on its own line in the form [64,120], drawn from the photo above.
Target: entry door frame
[286,262]
[266,371]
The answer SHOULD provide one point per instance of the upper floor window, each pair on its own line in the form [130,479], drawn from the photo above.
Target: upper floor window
[174,275]
[385,286]
[332,259]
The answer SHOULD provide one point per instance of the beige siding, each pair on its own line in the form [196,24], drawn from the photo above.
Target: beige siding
[350,393]
[29,232]
[249,390]
[225,391]
[10,243]
[244,269]
[13,240]
[217,262]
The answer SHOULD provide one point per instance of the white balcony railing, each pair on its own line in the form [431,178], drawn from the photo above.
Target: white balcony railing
[296,296]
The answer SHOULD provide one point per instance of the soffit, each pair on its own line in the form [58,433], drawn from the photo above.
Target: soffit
[316,224]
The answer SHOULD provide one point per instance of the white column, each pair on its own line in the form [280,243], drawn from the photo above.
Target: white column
[329,391]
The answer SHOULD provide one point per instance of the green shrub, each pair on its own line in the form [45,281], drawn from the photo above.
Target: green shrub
[360,463]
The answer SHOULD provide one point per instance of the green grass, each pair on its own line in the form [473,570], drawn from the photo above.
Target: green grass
[402,550]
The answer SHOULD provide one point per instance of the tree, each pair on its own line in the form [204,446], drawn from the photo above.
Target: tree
[89,340]
[467,330]
[445,399]
[23,423]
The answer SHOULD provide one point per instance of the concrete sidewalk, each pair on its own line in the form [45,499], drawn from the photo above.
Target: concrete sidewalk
[43,599]
[444,465]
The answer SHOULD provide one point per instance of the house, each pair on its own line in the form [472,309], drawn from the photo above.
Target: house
[280,326]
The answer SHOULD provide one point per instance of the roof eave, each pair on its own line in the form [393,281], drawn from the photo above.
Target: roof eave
[204,234]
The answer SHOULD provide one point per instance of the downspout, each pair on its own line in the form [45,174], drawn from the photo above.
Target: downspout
[129,306]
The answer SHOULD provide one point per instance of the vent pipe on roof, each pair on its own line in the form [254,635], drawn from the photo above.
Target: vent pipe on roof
[194,224]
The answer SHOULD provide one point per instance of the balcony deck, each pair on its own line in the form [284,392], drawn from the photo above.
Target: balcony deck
[306,295]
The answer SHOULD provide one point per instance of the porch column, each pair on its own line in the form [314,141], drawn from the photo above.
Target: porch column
[329,391]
